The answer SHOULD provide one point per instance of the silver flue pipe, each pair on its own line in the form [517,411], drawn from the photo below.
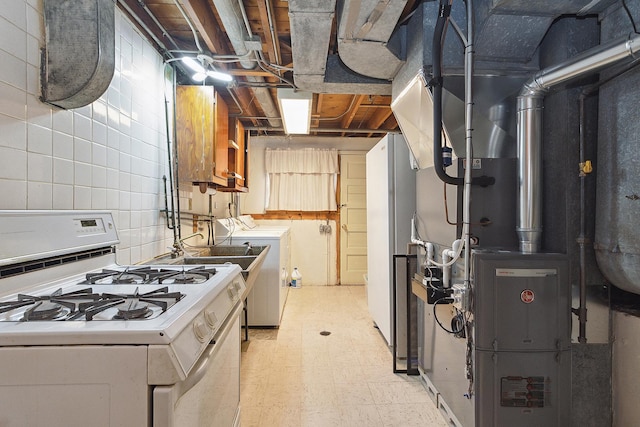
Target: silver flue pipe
[529,128]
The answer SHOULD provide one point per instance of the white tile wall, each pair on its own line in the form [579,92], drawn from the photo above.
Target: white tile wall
[108,155]
[13,164]
[62,196]
[14,132]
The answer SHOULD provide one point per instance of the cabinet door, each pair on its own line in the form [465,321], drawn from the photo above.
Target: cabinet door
[195,133]
[221,167]
[241,158]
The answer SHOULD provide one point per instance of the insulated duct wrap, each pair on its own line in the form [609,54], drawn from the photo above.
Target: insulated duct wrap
[79,57]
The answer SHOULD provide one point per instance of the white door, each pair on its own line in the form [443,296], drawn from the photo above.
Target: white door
[353,219]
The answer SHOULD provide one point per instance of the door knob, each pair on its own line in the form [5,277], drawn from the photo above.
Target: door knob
[344,227]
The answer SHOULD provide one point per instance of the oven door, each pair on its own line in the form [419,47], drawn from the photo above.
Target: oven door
[210,395]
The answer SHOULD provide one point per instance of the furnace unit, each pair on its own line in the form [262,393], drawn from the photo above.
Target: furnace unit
[522,339]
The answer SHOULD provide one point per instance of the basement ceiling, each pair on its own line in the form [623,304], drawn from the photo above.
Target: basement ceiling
[343,109]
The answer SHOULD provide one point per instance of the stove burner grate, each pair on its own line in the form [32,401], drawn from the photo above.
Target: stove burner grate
[128,305]
[184,276]
[54,306]
[44,311]
[126,276]
[134,310]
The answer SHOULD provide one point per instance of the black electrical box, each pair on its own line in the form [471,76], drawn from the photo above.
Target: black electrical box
[433,282]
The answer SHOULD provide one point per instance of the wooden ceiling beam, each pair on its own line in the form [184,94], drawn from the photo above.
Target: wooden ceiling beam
[318,114]
[243,72]
[319,104]
[143,21]
[269,31]
[203,18]
[379,117]
[245,98]
[348,118]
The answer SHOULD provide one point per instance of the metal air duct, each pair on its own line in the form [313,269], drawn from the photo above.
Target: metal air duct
[235,24]
[316,71]
[529,128]
[79,56]
[365,44]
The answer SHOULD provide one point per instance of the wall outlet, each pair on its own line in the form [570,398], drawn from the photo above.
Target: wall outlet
[325,229]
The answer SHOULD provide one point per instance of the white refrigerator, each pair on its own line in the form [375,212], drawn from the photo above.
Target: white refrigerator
[391,202]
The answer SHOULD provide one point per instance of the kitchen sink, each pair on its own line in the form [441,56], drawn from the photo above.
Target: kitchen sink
[249,258]
[231,251]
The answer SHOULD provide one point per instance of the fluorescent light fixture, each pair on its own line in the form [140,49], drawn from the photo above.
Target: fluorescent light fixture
[295,110]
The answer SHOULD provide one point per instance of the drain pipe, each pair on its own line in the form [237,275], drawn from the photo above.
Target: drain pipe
[529,128]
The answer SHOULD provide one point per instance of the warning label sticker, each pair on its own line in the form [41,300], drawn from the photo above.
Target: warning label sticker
[522,392]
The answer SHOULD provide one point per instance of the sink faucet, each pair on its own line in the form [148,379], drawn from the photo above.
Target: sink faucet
[249,249]
[177,248]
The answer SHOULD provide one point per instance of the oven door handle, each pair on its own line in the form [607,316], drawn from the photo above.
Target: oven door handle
[166,397]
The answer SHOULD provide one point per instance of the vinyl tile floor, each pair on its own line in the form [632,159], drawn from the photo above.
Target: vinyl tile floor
[296,376]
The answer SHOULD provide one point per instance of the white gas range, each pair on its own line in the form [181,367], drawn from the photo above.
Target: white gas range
[82,338]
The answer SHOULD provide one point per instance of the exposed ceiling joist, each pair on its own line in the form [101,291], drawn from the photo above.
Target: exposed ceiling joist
[348,118]
[205,22]
[337,107]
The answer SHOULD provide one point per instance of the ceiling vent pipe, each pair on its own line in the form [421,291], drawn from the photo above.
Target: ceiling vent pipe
[529,128]
[365,42]
[235,25]
[78,60]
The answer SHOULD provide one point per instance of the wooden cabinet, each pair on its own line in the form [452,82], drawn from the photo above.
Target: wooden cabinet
[202,127]
[237,155]
[221,164]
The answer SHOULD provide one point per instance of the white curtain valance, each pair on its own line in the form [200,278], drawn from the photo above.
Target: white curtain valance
[305,160]
[301,179]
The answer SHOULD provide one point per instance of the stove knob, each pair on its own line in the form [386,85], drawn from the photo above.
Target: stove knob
[211,318]
[200,330]
[232,293]
[237,285]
